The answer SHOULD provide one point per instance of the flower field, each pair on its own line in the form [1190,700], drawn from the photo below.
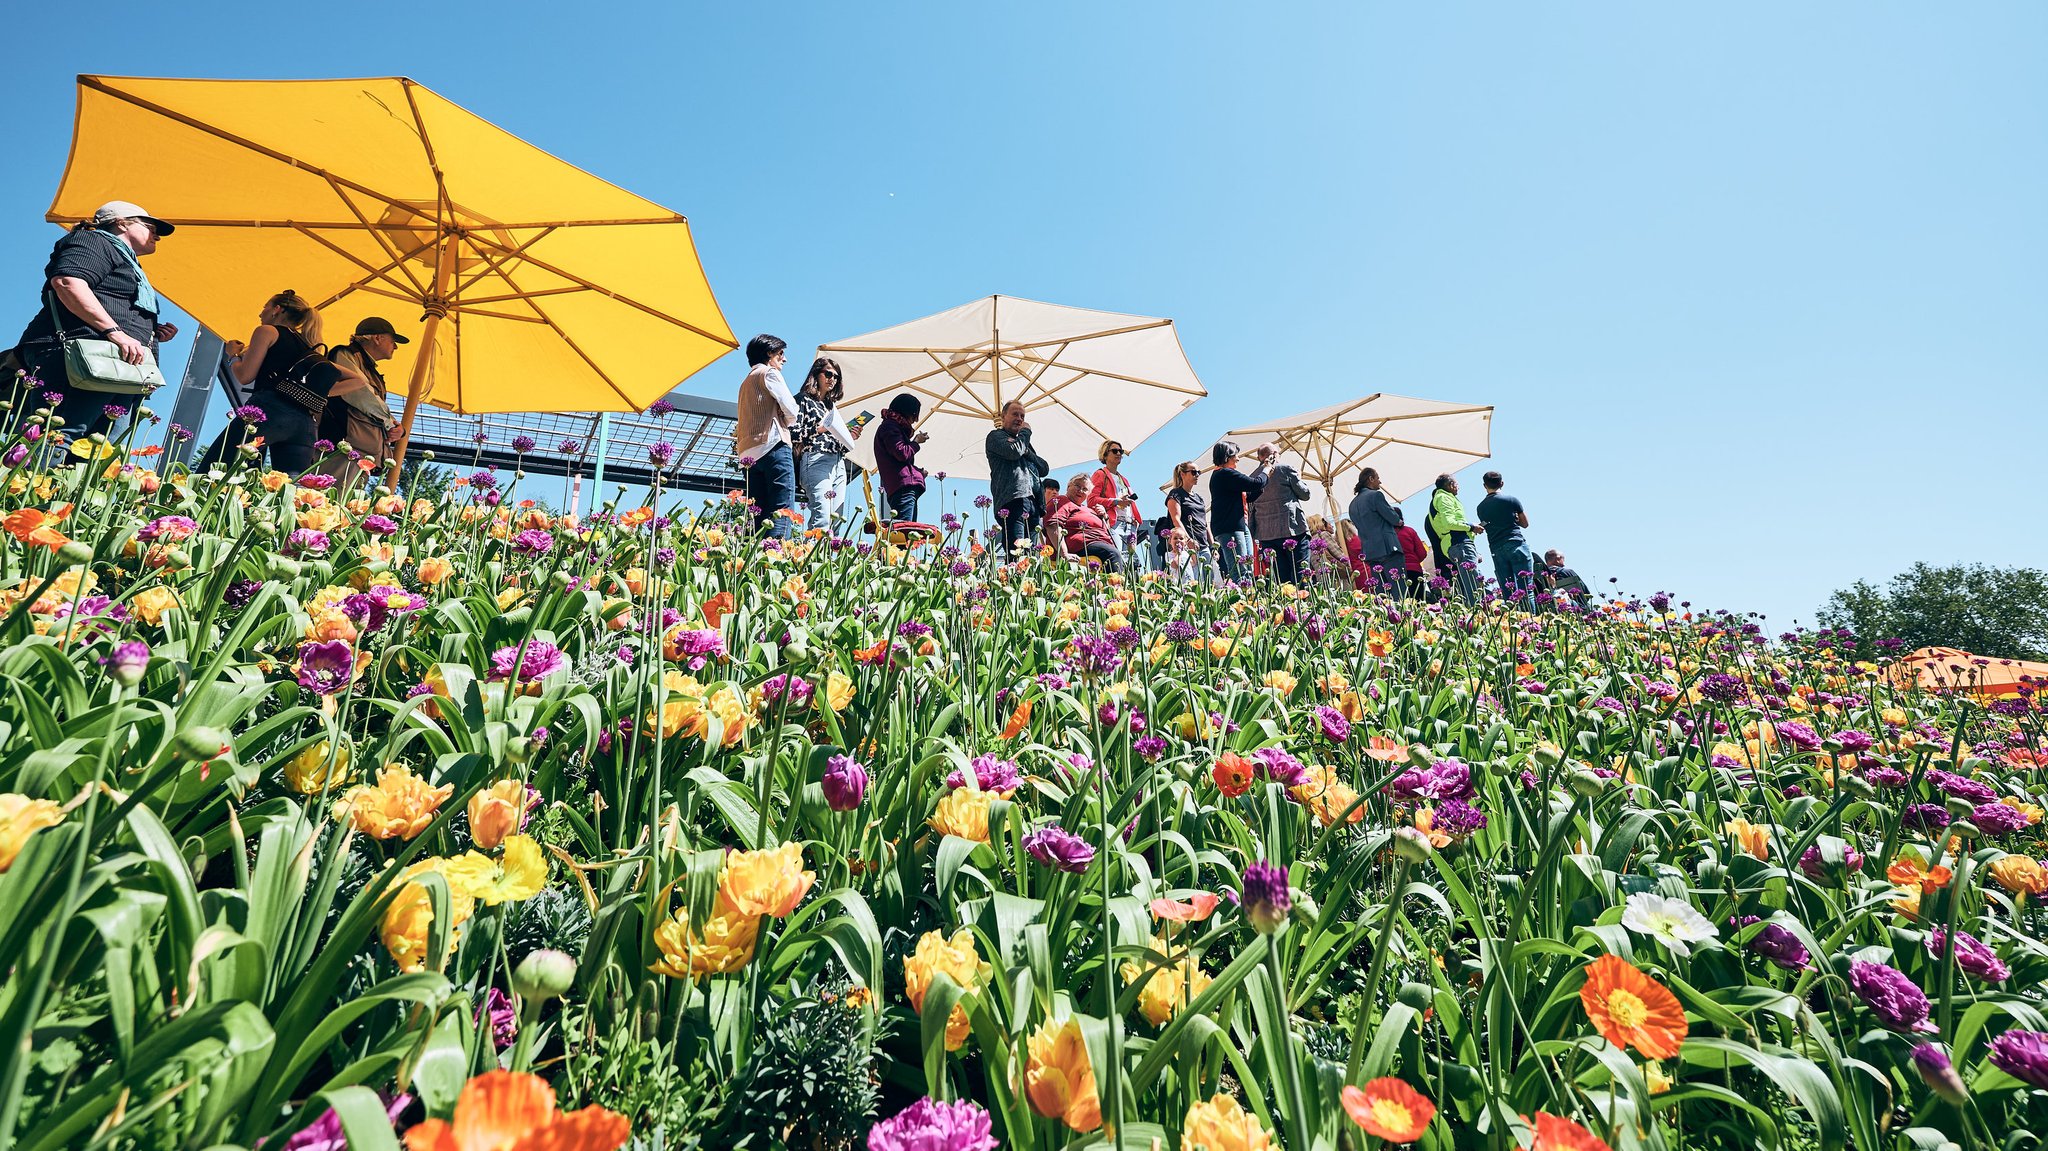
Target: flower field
[330,820]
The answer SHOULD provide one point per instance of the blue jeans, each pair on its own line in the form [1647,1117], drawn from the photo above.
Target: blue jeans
[1515,569]
[1234,554]
[822,476]
[771,484]
[903,505]
[1015,521]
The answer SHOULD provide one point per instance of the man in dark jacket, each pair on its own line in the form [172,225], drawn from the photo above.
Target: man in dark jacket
[1230,494]
[1014,470]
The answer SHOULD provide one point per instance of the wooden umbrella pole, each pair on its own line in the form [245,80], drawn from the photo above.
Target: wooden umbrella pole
[421,382]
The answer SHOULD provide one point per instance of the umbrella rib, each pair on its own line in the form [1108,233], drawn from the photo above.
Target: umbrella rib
[1104,334]
[629,301]
[363,284]
[469,311]
[359,226]
[545,318]
[518,253]
[383,241]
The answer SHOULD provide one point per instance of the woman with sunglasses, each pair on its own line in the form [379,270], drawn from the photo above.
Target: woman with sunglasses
[822,439]
[1111,496]
[284,365]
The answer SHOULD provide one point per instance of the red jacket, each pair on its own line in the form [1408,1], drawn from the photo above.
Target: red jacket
[1412,551]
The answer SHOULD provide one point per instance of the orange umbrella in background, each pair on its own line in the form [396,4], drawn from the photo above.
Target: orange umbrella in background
[1952,669]
[537,286]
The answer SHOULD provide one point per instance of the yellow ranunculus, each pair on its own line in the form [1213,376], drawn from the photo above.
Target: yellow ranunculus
[310,772]
[520,875]
[963,812]
[767,882]
[1750,839]
[399,807]
[1058,1079]
[682,713]
[1219,1124]
[496,812]
[724,946]
[1281,682]
[409,918]
[1169,988]
[152,603]
[958,959]
[21,817]
[1329,797]
[2019,875]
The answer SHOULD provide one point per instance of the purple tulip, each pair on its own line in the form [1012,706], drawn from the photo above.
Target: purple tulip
[845,783]
[2022,1055]
[1058,848]
[326,666]
[1267,901]
[1896,1000]
[1972,955]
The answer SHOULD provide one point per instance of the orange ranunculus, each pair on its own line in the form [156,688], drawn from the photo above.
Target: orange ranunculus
[718,607]
[38,528]
[1379,641]
[434,571]
[1198,906]
[1556,1133]
[771,881]
[1631,1009]
[513,1111]
[496,812]
[1390,1109]
[1020,718]
[399,807]
[1058,1078]
[1233,774]
[1750,839]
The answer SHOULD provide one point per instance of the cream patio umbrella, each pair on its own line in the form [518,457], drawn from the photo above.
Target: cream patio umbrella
[1410,441]
[525,283]
[1084,376]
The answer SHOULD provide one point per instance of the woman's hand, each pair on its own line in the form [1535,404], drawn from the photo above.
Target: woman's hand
[132,351]
[234,349]
[166,332]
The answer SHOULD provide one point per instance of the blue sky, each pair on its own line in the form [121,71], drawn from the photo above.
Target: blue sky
[1758,291]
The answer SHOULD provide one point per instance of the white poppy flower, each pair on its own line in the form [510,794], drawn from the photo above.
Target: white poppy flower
[1673,922]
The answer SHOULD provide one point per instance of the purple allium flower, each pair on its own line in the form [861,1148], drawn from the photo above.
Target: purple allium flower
[1276,764]
[480,436]
[325,1134]
[1058,848]
[1972,955]
[1799,735]
[845,783]
[1997,819]
[664,557]
[1334,726]
[523,444]
[1894,998]
[660,408]
[1721,687]
[2022,1055]
[483,481]
[912,629]
[1267,902]
[1938,1073]
[504,1021]
[660,454]
[927,1125]
[990,774]
[569,448]
[959,568]
[249,414]
[1180,631]
[1776,943]
[1149,747]
[1929,817]
[533,542]
[984,501]
[127,662]
[534,660]
[326,666]
[1093,655]
[180,432]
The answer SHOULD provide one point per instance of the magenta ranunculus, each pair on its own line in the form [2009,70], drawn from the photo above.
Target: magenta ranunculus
[1058,848]
[928,1125]
[1894,998]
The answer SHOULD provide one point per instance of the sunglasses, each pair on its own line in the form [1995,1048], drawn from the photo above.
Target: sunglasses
[1116,451]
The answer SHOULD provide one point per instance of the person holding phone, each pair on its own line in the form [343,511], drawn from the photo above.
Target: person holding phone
[1230,496]
[896,445]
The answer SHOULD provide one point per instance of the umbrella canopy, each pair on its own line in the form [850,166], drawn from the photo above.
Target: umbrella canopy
[1409,441]
[1084,377]
[1952,669]
[377,197]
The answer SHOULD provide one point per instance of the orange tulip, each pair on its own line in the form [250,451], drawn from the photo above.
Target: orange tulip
[1631,1009]
[1555,1133]
[501,1110]
[1020,718]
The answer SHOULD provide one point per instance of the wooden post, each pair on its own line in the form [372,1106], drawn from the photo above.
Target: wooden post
[421,382]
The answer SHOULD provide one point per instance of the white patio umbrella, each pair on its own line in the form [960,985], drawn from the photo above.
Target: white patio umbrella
[1084,376]
[1409,441]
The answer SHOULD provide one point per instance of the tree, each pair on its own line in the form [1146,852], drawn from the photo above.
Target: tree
[1996,612]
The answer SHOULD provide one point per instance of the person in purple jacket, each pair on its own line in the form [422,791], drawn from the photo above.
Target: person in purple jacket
[896,444]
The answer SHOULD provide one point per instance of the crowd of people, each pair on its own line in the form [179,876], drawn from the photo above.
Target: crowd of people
[1223,522]
[308,407]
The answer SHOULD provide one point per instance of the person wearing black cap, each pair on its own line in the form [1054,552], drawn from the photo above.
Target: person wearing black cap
[359,410]
[94,286]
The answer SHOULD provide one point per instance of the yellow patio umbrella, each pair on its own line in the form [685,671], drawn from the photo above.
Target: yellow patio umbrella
[1410,441]
[535,286]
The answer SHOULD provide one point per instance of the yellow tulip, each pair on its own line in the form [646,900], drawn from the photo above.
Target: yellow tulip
[1220,1124]
[409,918]
[955,957]
[1058,1079]
[724,946]
[767,882]
[321,767]
[21,817]
[400,806]
[963,812]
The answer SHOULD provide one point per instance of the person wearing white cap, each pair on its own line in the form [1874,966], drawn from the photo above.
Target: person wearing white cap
[95,286]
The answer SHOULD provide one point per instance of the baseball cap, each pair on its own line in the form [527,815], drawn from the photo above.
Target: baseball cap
[123,210]
[379,326]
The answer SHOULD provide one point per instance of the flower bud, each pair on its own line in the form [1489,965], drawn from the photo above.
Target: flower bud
[1586,785]
[1411,845]
[201,742]
[74,553]
[1938,1073]
[127,662]
[543,975]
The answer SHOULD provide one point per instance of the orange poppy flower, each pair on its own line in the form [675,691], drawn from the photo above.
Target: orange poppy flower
[1389,1109]
[1556,1133]
[1906,871]
[879,653]
[1379,642]
[507,1109]
[1198,907]
[1386,750]
[1020,718]
[1631,1009]
[1233,774]
[37,527]
[718,607]
[636,517]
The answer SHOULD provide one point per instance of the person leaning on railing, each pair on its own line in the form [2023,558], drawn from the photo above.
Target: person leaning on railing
[359,410]
[284,366]
[95,276]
